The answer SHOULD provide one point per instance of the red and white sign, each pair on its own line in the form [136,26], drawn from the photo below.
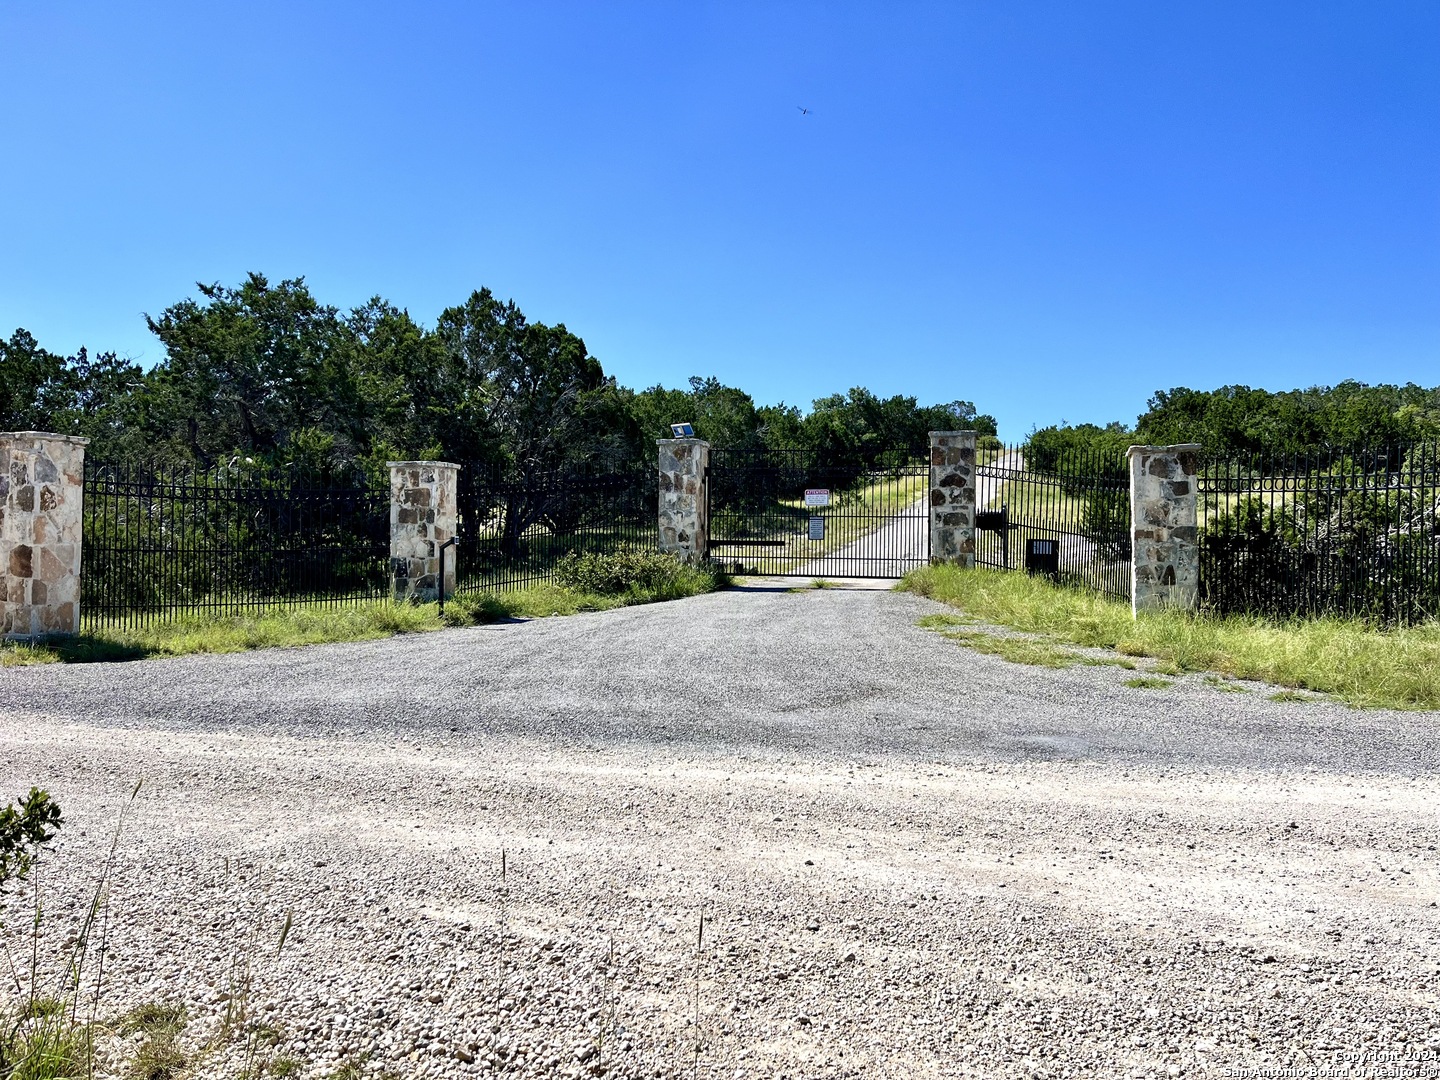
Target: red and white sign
[817,496]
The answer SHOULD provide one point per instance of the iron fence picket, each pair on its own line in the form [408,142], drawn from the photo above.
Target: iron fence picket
[876,526]
[1080,500]
[157,544]
[1346,533]
[514,532]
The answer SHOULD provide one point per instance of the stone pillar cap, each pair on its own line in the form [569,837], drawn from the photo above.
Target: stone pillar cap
[695,441]
[77,440]
[421,465]
[939,434]
[1174,448]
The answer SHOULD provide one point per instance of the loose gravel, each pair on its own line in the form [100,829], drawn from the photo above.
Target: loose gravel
[910,859]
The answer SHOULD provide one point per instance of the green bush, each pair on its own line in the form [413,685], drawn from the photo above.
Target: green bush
[24,828]
[626,569]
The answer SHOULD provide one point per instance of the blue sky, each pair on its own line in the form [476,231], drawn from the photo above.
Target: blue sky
[1052,209]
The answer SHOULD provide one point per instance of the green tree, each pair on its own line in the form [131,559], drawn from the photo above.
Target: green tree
[402,391]
[1320,419]
[526,393]
[250,366]
[860,423]
[36,386]
[1049,449]
[722,415]
[76,395]
[782,427]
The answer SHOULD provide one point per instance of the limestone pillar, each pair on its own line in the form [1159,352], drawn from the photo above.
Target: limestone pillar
[684,510]
[1164,539]
[952,497]
[422,517]
[42,485]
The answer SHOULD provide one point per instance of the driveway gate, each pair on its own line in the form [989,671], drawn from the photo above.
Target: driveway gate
[804,513]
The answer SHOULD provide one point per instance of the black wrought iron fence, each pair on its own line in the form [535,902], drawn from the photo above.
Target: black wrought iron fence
[513,531]
[1353,534]
[1068,517]
[160,543]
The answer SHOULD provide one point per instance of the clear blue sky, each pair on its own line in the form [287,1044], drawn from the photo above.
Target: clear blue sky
[1050,208]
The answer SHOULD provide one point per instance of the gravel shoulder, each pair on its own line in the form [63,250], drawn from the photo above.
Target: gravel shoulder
[911,859]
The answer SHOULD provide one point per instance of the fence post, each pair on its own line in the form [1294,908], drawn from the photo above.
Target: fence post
[684,513]
[42,488]
[952,498]
[1164,538]
[422,517]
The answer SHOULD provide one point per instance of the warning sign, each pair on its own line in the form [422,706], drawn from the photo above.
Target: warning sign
[817,496]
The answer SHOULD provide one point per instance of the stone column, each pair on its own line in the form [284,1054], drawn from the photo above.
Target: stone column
[684,509]
[422,517]
[952,497]
[1164,540]
[42,485]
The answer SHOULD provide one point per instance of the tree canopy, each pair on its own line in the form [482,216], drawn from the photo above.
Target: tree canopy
[1234,420]
[266,372]
[1239,419]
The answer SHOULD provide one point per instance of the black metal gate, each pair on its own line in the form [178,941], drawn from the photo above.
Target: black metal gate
[805,513]
[1066,515]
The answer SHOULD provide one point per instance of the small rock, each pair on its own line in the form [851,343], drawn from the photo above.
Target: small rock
[461,1054]
[435,999]
[812,925]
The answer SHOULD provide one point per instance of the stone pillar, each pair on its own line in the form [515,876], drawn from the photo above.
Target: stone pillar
[952,497]
[422,517]
[1164,540]
[42,485]
[684,508]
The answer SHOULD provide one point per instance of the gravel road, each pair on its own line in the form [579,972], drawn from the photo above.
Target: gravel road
[912,860]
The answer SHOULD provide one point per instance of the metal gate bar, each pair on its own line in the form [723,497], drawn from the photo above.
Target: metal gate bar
[1079,502]
[876,525]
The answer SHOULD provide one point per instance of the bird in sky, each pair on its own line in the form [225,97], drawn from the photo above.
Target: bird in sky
[803,111]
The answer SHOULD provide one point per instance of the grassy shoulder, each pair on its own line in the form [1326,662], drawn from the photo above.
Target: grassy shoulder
[317,624]
[1354,662]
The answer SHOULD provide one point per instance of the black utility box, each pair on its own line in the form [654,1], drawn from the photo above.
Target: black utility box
[1042,557]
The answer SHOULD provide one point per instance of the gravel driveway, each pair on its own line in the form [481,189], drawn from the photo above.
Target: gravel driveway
[911,859]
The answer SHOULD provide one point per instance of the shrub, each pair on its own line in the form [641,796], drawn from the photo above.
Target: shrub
[24,827]
[623,570]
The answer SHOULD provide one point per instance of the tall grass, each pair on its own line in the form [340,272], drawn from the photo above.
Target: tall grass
[52,1036]
[1349,659]
[50,1027]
